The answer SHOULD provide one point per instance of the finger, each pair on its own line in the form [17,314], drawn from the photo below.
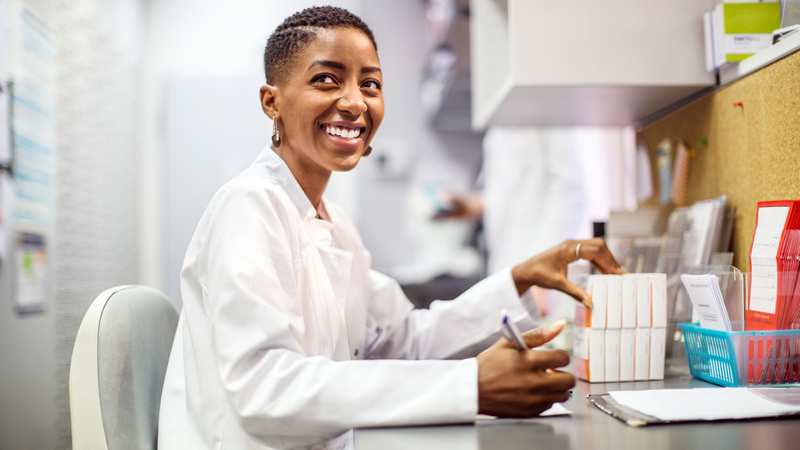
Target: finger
[542,335]
[557,380]
[557,396]
[577,293]
[596,252]
[546,359]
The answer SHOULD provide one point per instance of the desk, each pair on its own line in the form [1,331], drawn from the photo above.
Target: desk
[589,429]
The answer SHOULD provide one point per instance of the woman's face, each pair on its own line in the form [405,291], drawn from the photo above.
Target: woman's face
[330,102]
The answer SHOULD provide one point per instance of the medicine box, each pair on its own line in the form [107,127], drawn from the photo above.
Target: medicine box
[629,300]
[614,302]
[631,312]
[658,343]
[658,297]
[643,301]
[641,358]
[589,354]
[598,289]
[612,354]
[627,354]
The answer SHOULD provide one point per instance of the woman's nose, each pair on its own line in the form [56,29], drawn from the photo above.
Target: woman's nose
[352,101]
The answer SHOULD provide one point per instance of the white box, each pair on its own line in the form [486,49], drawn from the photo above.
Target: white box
[658,344]
[658,311]
[598,289]
[627,353]
[589,354]
[612,355]
[643,301]
[641,362]
[614,302]
[629,300]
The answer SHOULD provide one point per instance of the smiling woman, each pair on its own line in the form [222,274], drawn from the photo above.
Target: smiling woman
[287,337]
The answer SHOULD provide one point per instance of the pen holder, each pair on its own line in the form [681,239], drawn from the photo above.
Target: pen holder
[743,358]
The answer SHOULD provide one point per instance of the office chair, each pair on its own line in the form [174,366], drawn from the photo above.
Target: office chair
[117,370]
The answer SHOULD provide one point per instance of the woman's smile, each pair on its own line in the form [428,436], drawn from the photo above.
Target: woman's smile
[347,135]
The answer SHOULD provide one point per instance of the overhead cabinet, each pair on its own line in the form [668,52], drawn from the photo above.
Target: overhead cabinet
[583,62]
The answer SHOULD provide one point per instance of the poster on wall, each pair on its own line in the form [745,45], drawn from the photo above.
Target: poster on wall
[33,274]
[33,123]
[33,151]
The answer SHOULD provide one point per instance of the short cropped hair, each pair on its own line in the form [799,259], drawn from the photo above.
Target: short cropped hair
[298,30]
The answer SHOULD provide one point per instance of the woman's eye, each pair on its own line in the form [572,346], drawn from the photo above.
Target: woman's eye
[372,84]
[325,79]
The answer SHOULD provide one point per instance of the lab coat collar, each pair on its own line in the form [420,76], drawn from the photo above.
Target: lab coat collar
[279,173]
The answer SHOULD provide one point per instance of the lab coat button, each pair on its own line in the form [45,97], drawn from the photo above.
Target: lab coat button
[356,352]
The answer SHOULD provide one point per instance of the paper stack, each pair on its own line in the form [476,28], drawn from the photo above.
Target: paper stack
[623,337]
[774,263]
[707,301]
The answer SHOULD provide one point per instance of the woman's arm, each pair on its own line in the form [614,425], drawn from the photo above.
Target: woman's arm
[256,341]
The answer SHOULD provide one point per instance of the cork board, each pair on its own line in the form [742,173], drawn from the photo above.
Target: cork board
[753,151]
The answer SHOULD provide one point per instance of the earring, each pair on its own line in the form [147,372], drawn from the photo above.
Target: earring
[367,152]
[276,135]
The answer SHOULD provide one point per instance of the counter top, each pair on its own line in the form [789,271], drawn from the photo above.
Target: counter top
[590,428]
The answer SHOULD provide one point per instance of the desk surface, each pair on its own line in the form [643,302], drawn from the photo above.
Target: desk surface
[589,429]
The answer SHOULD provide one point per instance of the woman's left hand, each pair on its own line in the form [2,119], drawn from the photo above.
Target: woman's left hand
[549,269]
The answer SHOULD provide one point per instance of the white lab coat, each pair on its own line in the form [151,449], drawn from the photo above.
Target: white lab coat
[287,338]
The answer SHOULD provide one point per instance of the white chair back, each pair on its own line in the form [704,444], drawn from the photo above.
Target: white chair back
[117,370]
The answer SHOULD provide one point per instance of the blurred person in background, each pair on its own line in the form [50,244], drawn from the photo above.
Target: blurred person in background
[533,196]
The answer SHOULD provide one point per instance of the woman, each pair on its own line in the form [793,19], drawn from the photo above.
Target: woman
[287,338]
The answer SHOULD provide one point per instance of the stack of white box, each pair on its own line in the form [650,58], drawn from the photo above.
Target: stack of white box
[624,335]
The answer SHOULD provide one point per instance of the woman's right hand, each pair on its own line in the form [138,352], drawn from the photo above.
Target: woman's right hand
[513,383]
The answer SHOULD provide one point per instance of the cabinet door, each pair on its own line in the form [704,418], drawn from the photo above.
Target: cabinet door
[584,61]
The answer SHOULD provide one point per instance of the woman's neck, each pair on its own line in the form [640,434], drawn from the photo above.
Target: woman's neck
[312,179]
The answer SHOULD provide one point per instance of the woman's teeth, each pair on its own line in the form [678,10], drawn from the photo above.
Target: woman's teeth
[345,133]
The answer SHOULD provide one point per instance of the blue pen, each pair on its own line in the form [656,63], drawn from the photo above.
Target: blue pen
[512,334]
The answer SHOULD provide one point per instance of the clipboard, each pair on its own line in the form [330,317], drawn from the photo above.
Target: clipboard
[628,416]
[636,419]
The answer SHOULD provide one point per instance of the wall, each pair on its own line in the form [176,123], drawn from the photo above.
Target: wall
[752,152]
[95,237]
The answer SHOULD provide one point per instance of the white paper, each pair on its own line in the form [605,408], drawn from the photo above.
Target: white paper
[556,410]
[707,300]
[763,265]
[702,404]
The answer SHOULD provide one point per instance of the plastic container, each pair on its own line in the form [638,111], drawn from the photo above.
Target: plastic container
[743,358]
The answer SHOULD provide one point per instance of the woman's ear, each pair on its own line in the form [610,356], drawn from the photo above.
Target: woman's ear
[269,96]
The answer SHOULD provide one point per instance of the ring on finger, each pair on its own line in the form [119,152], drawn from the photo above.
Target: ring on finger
[578,251]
